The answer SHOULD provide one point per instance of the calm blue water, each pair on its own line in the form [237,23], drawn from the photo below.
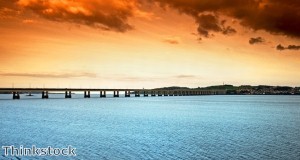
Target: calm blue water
[196,127]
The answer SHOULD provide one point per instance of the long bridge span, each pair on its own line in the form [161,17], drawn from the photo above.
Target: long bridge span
[116,92]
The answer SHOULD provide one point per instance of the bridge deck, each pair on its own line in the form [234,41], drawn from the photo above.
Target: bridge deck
[91,89]
[116,92]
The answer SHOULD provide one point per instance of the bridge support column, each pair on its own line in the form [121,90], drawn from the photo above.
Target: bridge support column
[165,93]
[87,94]
[180,93]
[137,93]
[176,93]
[102,94]
[153,93]
[68,94]
[127,93]
[16,95]
[45,95]
[145,93]
[116,94]
[159,93]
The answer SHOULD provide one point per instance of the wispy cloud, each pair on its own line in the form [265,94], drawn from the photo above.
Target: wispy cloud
[151,78]
[50,75]
[172,40]
[185,76]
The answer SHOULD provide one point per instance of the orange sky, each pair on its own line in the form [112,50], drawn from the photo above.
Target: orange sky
[139,44]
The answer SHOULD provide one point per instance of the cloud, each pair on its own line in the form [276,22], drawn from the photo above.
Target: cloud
[104,14]
[273,16]
[210,23]
[256,40]
[185,76]
[280,47]
[125,77]
[289,47]
[172,40]
[228,30]
[293,47]
[28,21]
[50,75]
[8,9]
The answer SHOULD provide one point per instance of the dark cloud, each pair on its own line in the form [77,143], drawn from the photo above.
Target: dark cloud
[228,30]
[210,22]
[280,47]
[274,16]
[50,75]
[289,47]
[105,14]
[207,22]
[293,47]
[256,40]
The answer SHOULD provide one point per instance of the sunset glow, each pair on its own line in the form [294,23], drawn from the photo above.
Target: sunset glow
[149,43]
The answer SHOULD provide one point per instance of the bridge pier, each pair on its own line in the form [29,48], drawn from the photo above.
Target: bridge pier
[68,94]
[153,93]
[165,93]
[16,95]
[159,93]
[116,94]
[127,93]
[180,93]
[145,93]
[137,93]
[45,95]
[87,94]
[188,93]
[102,94]
[175,93]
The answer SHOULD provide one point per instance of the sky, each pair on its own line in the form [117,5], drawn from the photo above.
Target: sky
[149,43]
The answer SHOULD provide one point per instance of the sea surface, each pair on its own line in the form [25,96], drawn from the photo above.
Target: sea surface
[181,127]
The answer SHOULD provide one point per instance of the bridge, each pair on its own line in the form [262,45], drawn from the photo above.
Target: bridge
[116,92]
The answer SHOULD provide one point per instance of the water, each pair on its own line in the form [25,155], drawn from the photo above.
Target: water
[194,127]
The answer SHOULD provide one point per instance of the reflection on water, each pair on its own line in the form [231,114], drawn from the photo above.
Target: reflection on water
[196,127]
